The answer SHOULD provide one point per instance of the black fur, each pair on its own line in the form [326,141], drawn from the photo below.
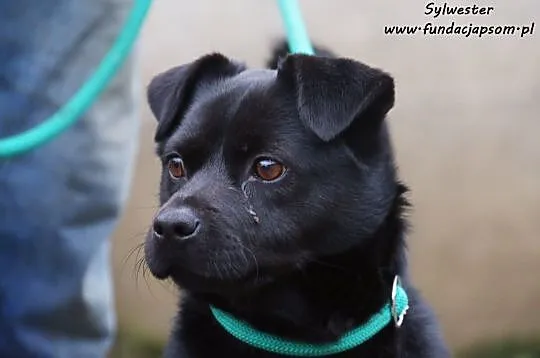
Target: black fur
[308,256]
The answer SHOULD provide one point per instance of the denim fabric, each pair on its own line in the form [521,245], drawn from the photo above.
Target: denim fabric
[59,203]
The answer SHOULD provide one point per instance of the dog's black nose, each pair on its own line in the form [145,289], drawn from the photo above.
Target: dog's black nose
[176,224]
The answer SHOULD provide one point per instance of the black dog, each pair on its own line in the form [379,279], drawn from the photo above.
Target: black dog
[280,205]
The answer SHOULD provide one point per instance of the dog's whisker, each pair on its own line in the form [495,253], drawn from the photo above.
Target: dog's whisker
[145,272]
[142,270]
[136,272]
[139,268]
[244,249]
[134,252]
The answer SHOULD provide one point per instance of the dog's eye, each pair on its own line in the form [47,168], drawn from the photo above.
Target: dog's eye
[268,169]
[176,168]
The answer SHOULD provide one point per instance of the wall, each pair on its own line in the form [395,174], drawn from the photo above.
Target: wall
[466,127]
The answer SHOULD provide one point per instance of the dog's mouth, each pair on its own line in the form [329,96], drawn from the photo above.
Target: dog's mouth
[224,286]
[194,262]
[233,269]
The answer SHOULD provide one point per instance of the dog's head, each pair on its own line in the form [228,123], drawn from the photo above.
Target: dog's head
[266,170]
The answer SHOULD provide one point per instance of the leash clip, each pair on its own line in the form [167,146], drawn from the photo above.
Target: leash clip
[398,317]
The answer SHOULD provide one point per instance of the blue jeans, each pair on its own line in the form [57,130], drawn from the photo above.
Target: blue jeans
[59,203]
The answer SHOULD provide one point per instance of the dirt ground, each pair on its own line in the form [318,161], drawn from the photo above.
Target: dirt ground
[466,127]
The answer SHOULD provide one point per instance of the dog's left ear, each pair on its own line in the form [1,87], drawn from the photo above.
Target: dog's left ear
[332,93]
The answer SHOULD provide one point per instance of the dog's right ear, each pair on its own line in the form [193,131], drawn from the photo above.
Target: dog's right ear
[170,93]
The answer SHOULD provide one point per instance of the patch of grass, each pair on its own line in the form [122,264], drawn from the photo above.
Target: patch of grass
[504,348]
[132,345]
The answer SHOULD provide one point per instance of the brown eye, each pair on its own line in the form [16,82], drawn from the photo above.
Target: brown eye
[268,169]
[176,168]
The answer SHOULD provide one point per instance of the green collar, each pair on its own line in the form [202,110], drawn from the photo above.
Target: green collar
[394,310]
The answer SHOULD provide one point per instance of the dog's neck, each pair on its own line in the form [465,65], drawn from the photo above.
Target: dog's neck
[332,295]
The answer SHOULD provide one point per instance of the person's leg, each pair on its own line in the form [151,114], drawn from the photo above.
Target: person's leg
[59,203]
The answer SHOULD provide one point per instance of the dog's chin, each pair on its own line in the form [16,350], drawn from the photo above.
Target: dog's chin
[218,284]
[214,282]
[159,271]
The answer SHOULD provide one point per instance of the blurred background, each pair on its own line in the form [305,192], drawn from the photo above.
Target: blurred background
[465,126]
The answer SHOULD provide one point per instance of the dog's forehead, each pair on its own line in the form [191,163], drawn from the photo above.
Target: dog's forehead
[253,77]
[242,108]
[218,103]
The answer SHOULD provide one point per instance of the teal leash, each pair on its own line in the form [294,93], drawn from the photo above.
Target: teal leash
[294,26]
[394,310]
[83,99]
